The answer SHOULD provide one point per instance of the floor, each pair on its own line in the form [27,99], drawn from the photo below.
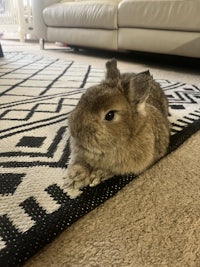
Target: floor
[174,68]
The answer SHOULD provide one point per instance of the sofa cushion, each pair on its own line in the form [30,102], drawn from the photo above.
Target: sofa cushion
[82,14]
[160,14]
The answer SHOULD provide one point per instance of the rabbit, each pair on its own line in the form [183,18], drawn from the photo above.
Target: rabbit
[118,127]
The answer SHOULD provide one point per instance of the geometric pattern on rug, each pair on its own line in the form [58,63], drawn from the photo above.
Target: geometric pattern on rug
[36,96]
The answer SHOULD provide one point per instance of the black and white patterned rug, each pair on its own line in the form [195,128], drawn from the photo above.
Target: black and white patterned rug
[36,95]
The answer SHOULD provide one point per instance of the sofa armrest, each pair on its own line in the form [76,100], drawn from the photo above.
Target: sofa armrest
[38,23]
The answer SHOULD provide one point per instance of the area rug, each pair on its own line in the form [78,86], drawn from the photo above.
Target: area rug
[36,96]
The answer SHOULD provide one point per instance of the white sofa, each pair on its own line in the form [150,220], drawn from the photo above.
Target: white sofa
[158,26]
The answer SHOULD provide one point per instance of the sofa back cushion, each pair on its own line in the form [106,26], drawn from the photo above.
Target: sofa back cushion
[160,14]
[82,14]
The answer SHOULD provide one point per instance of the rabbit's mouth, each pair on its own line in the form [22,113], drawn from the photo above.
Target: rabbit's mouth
[89,140]
[90,151]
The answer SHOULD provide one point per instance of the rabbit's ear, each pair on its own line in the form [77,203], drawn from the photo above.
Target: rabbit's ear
[112,70]
[139,90]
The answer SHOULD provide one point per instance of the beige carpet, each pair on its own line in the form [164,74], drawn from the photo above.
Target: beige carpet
[154,221]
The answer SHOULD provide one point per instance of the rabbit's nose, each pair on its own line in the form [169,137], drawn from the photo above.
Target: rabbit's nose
[83,132]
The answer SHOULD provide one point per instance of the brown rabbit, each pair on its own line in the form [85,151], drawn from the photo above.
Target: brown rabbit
[118,127]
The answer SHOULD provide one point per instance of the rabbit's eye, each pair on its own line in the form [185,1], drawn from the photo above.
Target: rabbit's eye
[110,115]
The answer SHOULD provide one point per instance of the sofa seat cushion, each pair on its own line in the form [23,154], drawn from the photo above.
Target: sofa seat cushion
[160,14]
[82,14]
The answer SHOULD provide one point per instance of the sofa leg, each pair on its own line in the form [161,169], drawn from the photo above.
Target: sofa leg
[41,43]
[1,51]
[75,48]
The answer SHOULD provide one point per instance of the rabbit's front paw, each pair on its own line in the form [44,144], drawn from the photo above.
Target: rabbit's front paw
[94,181]
[77,178]
[97,176]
